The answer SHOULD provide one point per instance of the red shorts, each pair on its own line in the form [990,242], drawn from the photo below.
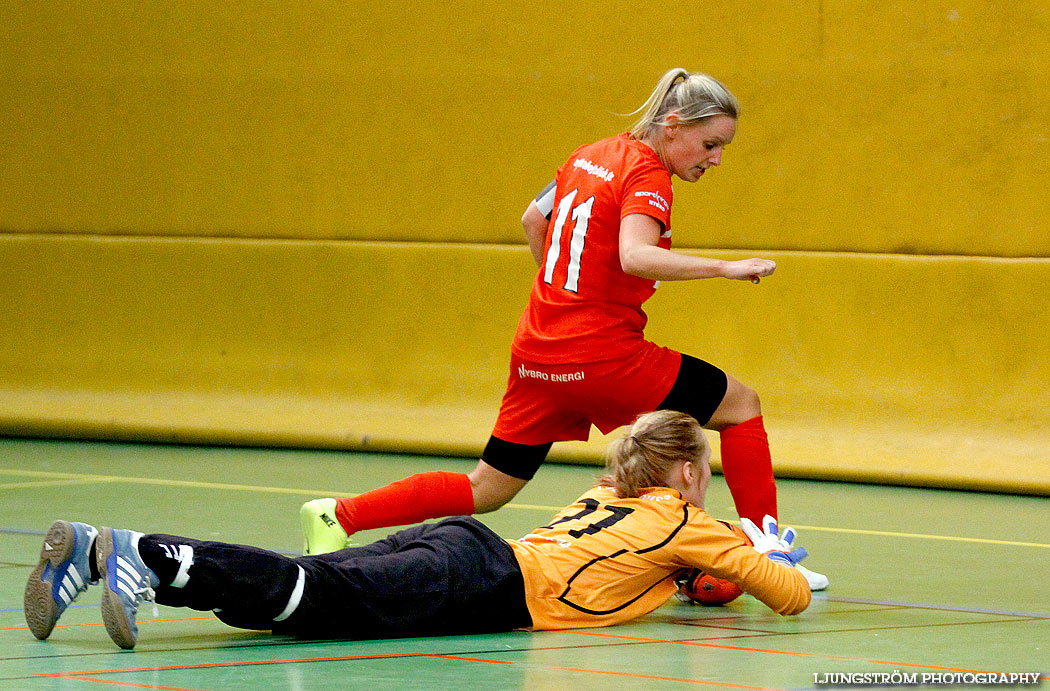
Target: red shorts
[549,403]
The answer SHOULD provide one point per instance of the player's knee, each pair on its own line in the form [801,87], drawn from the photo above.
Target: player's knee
[749,403]
[741,403]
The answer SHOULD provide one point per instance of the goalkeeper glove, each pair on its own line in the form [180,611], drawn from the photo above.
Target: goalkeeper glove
[778,546]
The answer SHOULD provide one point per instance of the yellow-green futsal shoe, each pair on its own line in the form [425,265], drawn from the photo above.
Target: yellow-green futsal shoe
[321,531]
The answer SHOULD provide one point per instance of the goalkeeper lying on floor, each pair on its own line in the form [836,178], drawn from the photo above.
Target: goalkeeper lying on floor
[612,556]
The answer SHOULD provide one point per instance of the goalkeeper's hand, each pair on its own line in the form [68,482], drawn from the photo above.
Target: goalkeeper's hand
[778,546]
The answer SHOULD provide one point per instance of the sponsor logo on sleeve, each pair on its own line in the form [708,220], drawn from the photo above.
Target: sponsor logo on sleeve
[655,200]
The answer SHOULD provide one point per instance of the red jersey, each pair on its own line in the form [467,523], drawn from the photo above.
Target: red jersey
[583,307]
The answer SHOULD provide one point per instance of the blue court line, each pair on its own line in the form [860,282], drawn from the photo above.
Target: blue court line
[20,531]
[948,608]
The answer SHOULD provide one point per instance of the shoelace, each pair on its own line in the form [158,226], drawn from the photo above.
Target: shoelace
[150,596]
[144,593]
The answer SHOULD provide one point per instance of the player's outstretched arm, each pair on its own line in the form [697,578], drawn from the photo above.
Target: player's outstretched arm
[640,256]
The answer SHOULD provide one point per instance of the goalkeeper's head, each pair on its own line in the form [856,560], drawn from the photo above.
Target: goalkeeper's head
[663,449]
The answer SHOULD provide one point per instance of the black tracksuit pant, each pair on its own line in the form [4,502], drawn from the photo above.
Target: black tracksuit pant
[452,577]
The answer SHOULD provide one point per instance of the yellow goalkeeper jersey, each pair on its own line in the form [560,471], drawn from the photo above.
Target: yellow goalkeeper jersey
[606,560]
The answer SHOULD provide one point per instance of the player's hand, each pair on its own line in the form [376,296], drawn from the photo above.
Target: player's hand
[777,545]
[750,269]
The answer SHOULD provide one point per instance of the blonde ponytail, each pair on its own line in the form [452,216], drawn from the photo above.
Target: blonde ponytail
[691,96]
[646,456]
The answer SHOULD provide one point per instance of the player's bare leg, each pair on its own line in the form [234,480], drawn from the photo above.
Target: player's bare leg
[740,404]
[492,488]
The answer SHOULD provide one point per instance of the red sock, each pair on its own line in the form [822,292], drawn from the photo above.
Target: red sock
[412,500]
[748,469]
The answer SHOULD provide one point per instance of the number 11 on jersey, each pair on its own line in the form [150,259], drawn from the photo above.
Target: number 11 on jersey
[581,215]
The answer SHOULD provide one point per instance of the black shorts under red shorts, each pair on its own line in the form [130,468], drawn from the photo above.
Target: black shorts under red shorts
[547,403]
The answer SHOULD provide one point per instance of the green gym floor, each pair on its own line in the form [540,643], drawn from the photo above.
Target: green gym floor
[922,582]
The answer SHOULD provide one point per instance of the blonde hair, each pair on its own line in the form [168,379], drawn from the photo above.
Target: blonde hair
[646,456]
[691,96]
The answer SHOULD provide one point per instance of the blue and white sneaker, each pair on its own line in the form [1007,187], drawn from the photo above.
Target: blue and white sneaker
[126,581]
[62,574]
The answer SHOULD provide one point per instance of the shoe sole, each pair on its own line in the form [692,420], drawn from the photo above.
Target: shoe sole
[41,612]
[113,616]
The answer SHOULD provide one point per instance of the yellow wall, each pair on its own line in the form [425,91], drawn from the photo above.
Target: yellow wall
[274,223]
[883,127]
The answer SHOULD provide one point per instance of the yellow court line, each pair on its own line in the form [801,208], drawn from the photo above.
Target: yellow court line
[923,536]
[853,531]
[210,485]
[170,483]
[550,509]
[57,483]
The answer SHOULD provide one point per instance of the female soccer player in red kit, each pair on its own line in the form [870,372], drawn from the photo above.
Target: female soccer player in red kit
[579,356]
